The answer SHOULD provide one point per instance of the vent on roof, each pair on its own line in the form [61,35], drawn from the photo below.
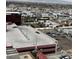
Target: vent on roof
[15,27]
[37,32]
[25,56]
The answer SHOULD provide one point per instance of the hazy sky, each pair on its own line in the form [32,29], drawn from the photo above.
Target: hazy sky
[39,0]
[68,0]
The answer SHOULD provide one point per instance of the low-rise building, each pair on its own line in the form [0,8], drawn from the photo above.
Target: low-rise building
[66,29]
[14,17]
[26,38]
[23,55]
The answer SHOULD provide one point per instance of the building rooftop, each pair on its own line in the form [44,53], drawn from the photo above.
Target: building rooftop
[66,27]
[23,55]
[12,13]
[26,36]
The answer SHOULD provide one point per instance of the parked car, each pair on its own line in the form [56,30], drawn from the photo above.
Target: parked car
[65,57]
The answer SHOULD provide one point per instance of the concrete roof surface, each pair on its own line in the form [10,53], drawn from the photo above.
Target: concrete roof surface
[26,36]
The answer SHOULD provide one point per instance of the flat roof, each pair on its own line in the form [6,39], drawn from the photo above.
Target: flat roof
[7,13]
[22,55]
[66,27]
[26,36]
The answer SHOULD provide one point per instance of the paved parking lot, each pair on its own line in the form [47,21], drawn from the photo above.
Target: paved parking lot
[63,40]
[64,43]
